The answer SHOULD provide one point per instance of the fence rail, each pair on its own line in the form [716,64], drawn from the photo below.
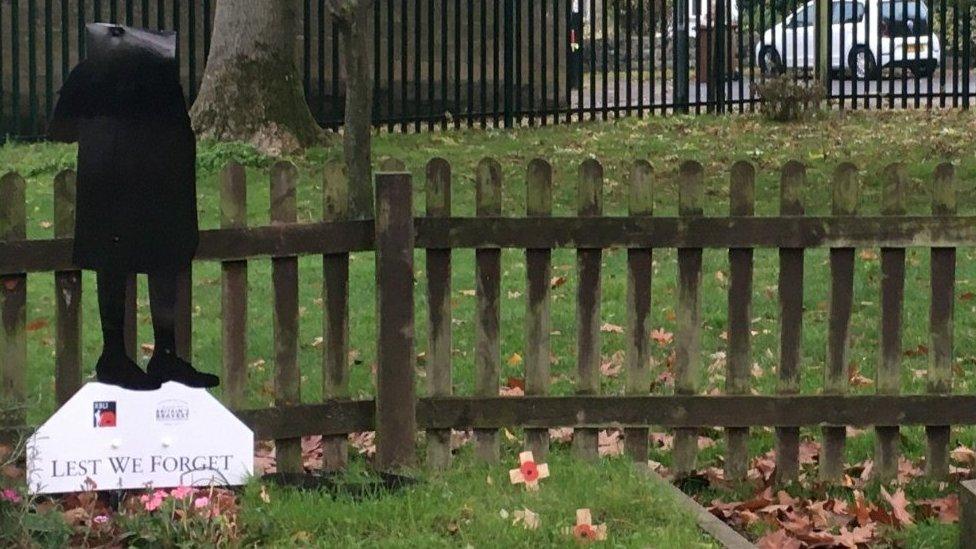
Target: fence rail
[448,63]
[397,412]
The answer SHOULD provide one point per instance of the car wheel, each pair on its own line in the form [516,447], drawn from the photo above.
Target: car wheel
[770,63]
[862,64]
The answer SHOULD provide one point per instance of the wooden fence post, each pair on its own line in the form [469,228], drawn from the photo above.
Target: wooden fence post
[488,274]
[742,194]
[793,178]
[335,313]
[13,297]
[967,513]
[846,194]
[892,295]
[588,289]
[68,370]
[233,289]
[439,379]
[538,271]
[687,340]
[396,421]
[639,274]
[943,281]
[288,377]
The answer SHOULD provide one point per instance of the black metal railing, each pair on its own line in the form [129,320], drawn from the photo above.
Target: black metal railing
[447,63]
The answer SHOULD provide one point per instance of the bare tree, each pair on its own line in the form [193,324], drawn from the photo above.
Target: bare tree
[354,21]
[251,89]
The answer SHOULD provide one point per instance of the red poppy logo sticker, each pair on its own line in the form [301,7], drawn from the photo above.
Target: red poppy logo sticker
[103,413]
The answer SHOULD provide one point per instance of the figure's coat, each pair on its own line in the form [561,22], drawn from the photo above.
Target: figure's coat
[136,196]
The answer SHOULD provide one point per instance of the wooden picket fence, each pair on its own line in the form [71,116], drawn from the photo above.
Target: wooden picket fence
[397,413]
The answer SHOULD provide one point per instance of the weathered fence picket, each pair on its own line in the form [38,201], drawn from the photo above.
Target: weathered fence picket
[742,196]
[284,275]
[233,289]
[894,182]
[68,369]
[640,268]
[790,288]
[335,316]
[397,412]
[687,339]
[13,294]
[941,309]
[439,348]
[588,290]
[538,272]
[488,267]
[846,194]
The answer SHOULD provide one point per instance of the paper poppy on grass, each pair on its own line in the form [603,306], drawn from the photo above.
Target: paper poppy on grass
[529,472]
[585,530]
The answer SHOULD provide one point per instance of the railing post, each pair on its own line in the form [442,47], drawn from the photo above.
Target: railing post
[966,52]
[681,56]
[509,61]
[396,422]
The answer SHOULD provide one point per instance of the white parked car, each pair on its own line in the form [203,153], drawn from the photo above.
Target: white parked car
[866,35]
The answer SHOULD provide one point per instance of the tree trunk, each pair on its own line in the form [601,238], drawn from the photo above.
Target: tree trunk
[251,89]
[354,18]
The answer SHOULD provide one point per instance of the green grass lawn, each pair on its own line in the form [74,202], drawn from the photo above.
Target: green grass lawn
[474,505]
[871,140]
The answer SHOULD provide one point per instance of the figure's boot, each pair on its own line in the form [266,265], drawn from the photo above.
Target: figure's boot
[165,365]
[114,367]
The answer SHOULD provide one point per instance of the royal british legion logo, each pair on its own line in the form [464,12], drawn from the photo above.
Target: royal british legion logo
[171,412]
[103,413]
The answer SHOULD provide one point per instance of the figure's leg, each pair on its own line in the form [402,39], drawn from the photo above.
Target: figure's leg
[113,366]
[165,365]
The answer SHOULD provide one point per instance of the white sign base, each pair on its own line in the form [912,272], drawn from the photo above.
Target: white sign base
[109,438]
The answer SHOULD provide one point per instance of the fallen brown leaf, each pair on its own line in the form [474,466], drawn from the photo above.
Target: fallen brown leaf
[778,540]
[899,506]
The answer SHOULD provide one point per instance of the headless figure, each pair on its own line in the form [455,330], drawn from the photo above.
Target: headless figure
[136,206]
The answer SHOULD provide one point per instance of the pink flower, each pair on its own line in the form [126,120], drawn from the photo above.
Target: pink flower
[201,502]
[160,494]
[181,492]
[151,503]
[100,519]
[10,495]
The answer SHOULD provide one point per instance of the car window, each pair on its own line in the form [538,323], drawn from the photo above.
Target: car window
[905,10]
[805,16]
[846,12]
[905,18]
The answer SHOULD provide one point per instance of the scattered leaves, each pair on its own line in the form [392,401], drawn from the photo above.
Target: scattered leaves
[661,337]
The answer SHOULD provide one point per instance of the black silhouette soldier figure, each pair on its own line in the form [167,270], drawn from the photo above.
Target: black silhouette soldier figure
[136,192]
